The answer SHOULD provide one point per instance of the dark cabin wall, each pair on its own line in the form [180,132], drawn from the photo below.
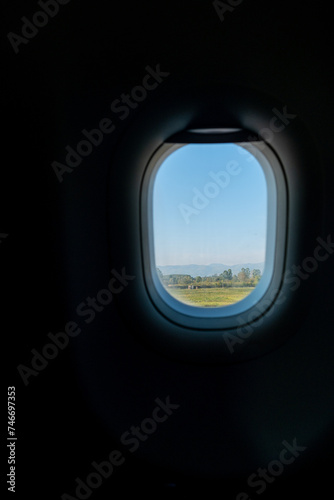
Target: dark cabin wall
[56,252]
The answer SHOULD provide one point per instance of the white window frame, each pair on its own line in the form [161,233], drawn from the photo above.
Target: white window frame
[263,296]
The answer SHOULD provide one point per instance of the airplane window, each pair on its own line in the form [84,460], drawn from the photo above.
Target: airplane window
[209,224]
[210,216]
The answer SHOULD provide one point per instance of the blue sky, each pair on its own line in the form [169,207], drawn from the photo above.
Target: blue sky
[209,206]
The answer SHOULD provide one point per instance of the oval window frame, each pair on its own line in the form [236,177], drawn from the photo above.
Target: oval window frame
[235,315]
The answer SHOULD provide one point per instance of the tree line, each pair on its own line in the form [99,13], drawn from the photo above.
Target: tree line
[246,277]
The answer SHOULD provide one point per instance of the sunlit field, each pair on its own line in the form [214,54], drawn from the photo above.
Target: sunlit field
[210,297]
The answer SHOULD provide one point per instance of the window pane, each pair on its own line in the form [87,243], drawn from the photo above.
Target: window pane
[209,223]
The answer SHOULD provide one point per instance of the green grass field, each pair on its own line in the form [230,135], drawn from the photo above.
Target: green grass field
[210,297]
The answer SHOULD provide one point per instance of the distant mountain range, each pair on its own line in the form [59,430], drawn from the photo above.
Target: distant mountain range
[207,270]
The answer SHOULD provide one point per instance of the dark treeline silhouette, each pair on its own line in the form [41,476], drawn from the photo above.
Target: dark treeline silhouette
[245,277]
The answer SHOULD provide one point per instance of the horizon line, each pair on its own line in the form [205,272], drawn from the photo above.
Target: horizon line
[211,264]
